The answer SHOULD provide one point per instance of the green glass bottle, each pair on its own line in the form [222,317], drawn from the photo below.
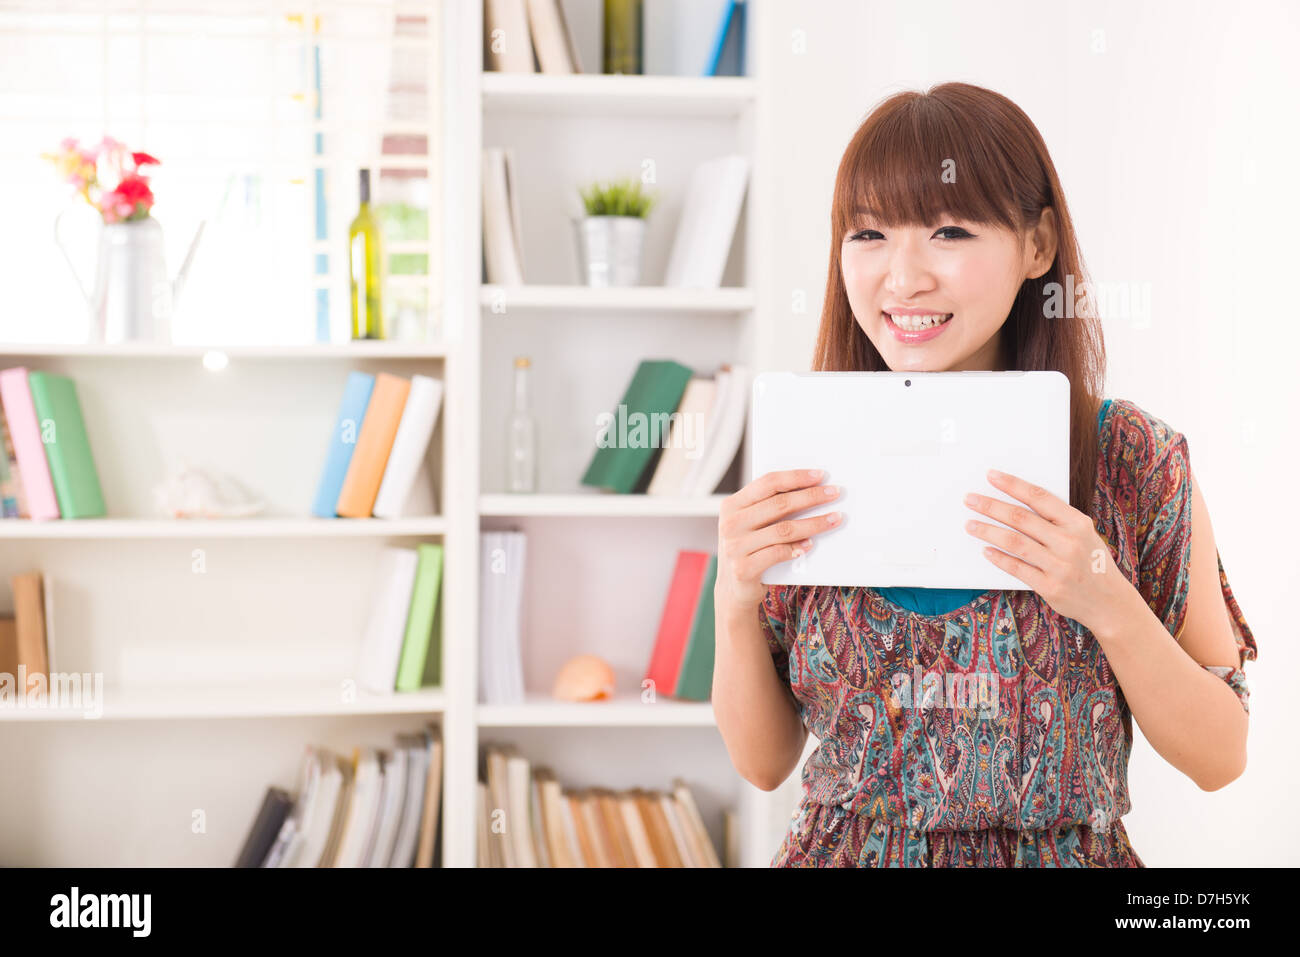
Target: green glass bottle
[366,269]
[624,42]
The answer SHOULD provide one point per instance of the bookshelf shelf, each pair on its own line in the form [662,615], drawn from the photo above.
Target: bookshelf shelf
[252,700]
[624,711]
[146,528]
[599,505]
[346,351]
[633,299]
[597,94]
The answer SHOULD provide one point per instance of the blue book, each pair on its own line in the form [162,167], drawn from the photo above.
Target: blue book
[356,397]
[728,58]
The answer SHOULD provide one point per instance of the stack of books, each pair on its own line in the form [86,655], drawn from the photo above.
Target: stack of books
[46,470]
[378,808]
[402,648]
[674,433]
[27,641]
[380,438]
[682,663]
[525,819]
[501,674]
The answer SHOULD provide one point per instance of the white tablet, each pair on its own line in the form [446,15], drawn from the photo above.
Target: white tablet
[905,448]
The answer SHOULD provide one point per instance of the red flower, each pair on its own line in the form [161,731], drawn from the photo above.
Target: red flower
[134,189]
[144,159]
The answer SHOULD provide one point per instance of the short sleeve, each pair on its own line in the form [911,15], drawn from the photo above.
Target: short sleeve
[1164,538]
[775,615]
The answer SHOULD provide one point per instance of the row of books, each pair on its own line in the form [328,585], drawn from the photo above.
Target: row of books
[673,433]
[378,808]
[681,665]
[545,31]
[697,258]
[47,470]
[402,647]
[526,819]
[27,636]
[379,440]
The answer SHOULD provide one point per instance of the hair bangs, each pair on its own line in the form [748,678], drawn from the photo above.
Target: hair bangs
[916,163]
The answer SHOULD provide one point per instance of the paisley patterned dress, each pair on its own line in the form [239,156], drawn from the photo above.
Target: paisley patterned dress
[994,734]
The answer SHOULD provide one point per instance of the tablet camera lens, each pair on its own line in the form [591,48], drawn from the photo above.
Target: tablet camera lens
[907,382]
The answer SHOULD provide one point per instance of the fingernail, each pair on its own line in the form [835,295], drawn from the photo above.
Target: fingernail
[814,473]
[832,518]
[995,474]
[971,498]
[832,490]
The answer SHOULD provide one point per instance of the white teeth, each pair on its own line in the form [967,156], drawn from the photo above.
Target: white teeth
[918,322]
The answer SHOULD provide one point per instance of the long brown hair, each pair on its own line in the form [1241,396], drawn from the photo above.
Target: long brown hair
[1003,175]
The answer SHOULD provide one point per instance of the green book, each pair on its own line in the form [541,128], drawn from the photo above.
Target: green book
[640,426]
[419,620]
[695,677]
[67,449]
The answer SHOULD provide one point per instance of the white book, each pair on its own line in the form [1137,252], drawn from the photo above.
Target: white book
[391,816]
[518,781]
[556,52]
[410,443]
[361,812]
[408,831]
[47,596]
[726,432]
[291,832]
[317,824]
[381,648]
[501,678]
[383,799]
[685,442]
[503,253]
[506,36]
[483,847]
[571,831]
[708,223]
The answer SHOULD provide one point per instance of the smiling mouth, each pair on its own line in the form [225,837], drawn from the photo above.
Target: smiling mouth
[918,323]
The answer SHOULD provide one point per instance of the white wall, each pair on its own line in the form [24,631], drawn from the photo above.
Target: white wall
[1173,130]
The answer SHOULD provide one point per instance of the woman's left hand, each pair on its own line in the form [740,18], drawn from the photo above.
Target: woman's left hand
[1054,549]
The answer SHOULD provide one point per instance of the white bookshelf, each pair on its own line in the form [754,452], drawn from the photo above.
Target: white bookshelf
[599,565]
[215,681]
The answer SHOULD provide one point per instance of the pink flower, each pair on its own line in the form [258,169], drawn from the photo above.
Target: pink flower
[144,159]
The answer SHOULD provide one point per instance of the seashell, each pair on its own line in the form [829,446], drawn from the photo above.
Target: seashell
[192,492]
[584,678]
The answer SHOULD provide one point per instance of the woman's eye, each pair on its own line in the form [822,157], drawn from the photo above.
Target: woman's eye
[956,231]
[862,234]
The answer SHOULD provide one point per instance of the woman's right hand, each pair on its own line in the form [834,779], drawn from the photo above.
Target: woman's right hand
[754,533]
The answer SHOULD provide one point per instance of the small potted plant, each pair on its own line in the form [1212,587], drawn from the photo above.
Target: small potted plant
[612,234]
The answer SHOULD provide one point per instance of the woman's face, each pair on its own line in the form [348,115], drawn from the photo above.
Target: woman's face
[966,273]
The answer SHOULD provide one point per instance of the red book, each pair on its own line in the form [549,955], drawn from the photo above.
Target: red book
[675,623]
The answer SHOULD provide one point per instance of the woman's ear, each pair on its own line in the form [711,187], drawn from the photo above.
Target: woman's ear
[1040,250]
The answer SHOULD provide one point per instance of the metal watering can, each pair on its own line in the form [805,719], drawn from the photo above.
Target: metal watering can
[133,298]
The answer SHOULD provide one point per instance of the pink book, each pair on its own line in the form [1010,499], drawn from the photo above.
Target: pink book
[28,450]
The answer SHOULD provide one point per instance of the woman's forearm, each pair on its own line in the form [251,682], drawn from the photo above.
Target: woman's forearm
[1190,716]
[755,712]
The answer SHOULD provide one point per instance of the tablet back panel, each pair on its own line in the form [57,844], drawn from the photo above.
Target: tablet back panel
[905,455]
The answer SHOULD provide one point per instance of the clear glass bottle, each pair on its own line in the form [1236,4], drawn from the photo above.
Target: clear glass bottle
[521,465]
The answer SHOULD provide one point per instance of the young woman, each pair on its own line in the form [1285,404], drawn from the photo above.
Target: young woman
[951,245]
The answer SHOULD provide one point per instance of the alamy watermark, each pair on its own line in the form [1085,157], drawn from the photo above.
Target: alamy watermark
[639,430]
[1087,300]
[976,690]
[59,691]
